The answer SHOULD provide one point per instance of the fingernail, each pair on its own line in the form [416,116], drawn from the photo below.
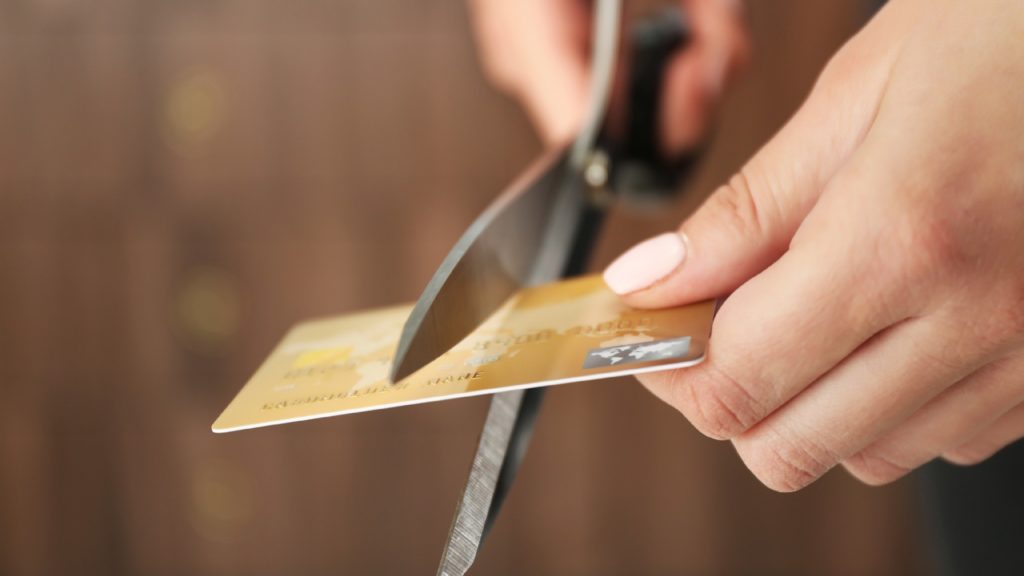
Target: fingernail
[646,263]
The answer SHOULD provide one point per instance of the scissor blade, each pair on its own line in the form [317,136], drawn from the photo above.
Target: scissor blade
[499,253]
[472,512]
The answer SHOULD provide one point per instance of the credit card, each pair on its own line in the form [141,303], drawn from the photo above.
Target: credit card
[566,331]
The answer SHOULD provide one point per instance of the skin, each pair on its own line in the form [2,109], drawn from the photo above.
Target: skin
[538,52]
[873,253]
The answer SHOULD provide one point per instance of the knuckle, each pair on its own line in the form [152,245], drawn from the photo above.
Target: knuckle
[785,464]
[999,331]
[717,404]
[945,359]
[738,208]
[927,243]
[875,469]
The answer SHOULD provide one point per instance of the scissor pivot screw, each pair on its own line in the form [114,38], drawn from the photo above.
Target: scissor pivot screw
[596,176]
[595,171]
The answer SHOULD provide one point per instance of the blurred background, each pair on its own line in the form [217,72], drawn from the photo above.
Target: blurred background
[182,181]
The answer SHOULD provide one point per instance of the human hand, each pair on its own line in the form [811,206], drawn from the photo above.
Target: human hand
[874,249]
[538,52]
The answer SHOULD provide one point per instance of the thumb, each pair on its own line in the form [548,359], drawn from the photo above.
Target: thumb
[746,224]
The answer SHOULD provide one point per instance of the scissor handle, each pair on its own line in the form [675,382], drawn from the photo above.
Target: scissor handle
[639,166]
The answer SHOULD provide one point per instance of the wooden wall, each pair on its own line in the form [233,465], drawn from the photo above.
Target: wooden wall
[181,181]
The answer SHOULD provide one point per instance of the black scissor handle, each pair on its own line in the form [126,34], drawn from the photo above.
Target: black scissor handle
[640,168]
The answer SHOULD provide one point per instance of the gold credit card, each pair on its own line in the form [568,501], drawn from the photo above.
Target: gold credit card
[566,331]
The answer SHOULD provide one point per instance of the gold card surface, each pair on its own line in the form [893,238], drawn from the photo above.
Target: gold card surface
[567,331]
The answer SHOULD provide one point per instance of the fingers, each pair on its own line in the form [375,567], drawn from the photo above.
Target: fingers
[864,307]
[781,331]
[967,423]
[1008,429]
[695,79]
[866,396]
[841,283]
[828,350]
[537,50]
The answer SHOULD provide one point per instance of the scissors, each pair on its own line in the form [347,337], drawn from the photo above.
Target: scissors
[540,229]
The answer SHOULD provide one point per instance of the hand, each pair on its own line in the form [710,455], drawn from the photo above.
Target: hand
[538,51]
[875,250]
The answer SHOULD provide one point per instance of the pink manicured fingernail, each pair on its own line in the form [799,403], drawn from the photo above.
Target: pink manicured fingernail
[646,263]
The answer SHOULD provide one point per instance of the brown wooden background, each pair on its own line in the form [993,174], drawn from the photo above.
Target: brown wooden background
[182,180]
